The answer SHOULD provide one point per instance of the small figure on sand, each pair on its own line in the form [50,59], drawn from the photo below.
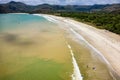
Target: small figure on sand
[94,68]
[87,66]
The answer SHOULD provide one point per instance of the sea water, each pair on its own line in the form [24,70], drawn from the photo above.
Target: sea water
[34,47]
[14,20]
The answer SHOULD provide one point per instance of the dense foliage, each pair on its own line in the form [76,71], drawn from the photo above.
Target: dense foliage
[106,21]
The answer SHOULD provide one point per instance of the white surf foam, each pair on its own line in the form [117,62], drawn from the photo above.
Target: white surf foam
[47,17]
[76,74]
[93,48]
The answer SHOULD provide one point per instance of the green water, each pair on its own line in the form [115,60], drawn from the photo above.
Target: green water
[37,70]
[31,48]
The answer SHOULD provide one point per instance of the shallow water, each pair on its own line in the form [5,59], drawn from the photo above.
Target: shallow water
[34,48]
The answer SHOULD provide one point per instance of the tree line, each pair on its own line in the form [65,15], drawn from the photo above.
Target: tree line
[108,21]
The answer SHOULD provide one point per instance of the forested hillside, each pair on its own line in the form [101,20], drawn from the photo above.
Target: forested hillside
[19,7]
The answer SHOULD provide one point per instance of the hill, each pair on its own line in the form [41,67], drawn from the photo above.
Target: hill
[15,7]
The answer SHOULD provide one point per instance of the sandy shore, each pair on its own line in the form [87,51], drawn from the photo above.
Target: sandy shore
[105,43]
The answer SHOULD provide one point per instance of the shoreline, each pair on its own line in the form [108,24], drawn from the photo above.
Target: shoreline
[105,42]
[76,71]
[96,41]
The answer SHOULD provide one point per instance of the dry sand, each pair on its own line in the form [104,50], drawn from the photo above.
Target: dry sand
[105,43]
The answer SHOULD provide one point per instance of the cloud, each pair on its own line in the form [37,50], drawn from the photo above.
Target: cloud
[34,2]
[91,2]
[62,2]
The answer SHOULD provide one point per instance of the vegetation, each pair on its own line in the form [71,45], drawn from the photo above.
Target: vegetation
[106,21]
[109,20]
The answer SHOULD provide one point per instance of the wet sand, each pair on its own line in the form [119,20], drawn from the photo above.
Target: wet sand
[104,43]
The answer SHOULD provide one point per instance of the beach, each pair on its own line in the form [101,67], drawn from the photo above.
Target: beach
[106,44]
[40,45]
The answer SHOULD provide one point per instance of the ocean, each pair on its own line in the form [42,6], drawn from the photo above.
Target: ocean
[33,47]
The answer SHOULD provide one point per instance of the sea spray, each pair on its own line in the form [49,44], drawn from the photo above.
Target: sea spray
[76,74]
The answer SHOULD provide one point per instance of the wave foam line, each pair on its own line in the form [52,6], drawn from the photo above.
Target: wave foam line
[116,46]
[76,74]
[47,17]
[94,49]
[81,38]
[50,19]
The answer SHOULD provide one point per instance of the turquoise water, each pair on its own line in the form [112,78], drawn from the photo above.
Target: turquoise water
[32,48]
[14,20]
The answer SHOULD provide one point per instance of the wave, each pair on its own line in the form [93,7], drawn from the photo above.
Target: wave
[76,74]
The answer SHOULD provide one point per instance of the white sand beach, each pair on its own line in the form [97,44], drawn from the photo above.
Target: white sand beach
[105,43]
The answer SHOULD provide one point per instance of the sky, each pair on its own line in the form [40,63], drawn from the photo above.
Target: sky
[64,2]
